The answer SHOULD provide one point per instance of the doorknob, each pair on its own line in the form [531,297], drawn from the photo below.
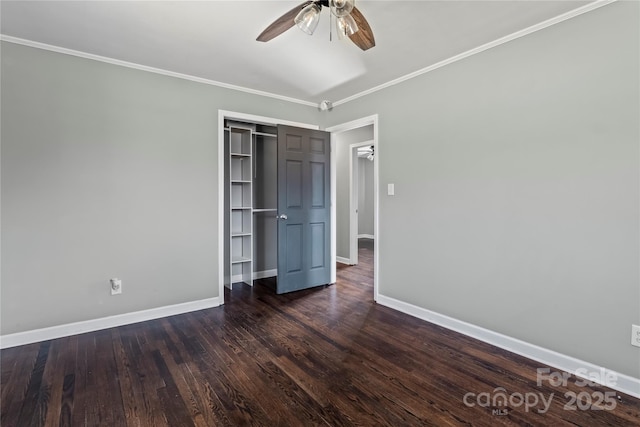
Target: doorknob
[283,216]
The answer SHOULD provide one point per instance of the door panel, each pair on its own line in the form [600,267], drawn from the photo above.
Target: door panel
[294,143]
[317,245]
[294,248]
[304,226]
[294,184]
[317,145]
[318,188]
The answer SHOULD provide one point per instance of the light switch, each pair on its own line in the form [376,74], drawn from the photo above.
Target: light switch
[391,189]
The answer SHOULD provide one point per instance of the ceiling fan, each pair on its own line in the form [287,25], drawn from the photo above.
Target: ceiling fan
[349,21]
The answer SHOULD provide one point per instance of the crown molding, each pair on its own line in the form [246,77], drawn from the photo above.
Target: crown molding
[112,61]
[532,29]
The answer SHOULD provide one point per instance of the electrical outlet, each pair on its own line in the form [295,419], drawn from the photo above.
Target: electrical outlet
[635,335]
[116,286]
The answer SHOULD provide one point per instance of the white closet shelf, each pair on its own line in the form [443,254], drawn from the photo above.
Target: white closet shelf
[240,155]
[240,181]
[240,259]
[241,208]
[240,234]
[264,210]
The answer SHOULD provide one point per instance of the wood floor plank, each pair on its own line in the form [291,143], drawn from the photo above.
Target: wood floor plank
[68,381]
[217,367]
[79,410]
[54,382]
[131,397]
[327,356]
[144,379]
[17,365]
[34,404]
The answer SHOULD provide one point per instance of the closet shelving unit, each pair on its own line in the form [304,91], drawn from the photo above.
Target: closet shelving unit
[250,202]
[241,204]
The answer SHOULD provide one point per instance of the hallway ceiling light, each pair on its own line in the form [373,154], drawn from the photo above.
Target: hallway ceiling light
[367,153]
[371,155]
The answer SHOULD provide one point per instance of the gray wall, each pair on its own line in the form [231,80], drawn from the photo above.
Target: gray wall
[365,197]
[516,172]
[108,172]
[517,187]
[343,140]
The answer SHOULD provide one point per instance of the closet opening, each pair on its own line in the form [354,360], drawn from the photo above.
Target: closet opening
[250,152]
[275,192]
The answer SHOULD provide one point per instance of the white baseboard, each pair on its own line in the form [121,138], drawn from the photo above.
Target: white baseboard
[256,275]
[343,260]
[264,274]
[624,383]
[366,236]
[53,332]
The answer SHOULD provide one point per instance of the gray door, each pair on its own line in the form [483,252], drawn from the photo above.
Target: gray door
[304,199]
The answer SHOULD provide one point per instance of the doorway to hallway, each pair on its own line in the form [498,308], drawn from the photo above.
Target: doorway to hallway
[351,145]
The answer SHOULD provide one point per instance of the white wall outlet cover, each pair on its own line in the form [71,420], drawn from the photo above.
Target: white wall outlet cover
[116,286]
[635,335]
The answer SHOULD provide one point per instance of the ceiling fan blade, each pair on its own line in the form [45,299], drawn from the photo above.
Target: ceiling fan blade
[282,24]
[363,38]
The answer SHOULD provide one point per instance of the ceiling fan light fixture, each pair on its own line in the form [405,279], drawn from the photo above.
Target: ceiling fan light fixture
[307,15]
[341,8]
[308,18]
[346,26]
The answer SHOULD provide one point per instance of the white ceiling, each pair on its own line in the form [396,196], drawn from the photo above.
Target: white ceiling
[215,40]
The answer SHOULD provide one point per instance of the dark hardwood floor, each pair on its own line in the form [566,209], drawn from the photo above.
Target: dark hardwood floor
[327,356]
